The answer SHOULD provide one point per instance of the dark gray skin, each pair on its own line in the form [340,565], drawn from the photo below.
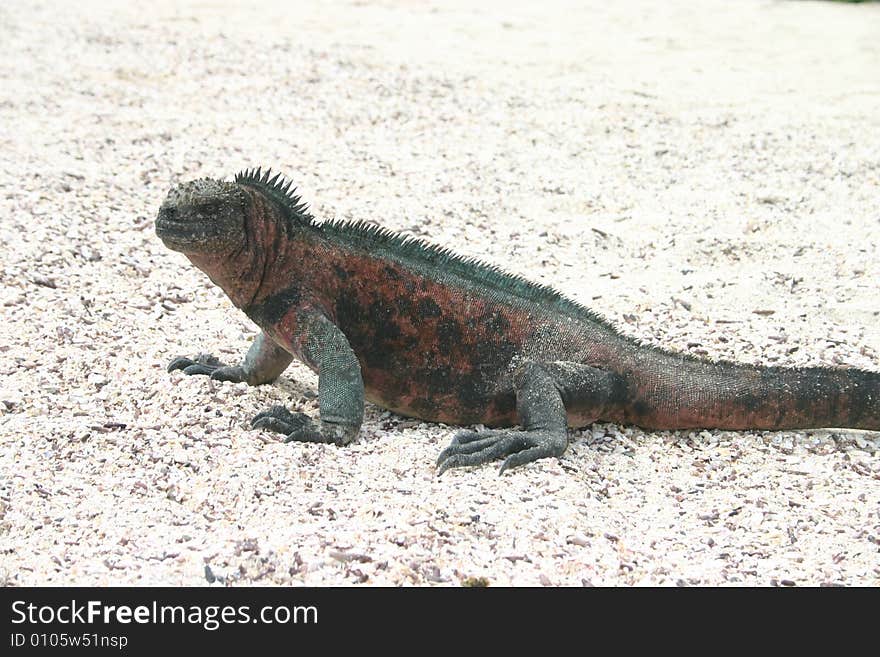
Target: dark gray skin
[425,333]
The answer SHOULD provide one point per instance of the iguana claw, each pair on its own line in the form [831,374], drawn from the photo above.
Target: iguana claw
[208,365]
[280,420]
[520,447]
[299,427]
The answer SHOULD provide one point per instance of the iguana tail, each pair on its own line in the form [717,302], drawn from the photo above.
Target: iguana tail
[699,394]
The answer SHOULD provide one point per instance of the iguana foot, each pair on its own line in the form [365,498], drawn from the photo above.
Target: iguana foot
[299,427]
[208,365]
[520,447]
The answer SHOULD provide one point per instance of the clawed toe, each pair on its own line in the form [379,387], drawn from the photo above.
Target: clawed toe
[225,373]
[279,420]
[475,443]
[179,363]
[201,364]
[470,448]
[199,368]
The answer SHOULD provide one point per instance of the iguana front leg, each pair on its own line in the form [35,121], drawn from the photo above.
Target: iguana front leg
[264,362]
[324,347]
[543,390]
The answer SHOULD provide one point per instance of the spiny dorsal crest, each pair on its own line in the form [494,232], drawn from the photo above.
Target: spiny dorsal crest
[383,242]
[279,190]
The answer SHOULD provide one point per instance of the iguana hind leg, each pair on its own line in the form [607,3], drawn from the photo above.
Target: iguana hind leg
[543,391]
[264,362]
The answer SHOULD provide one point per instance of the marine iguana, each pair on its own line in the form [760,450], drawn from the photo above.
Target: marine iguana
[427,333]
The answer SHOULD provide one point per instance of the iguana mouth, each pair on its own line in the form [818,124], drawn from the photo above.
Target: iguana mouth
[178,233]
[164,225]
[167,219]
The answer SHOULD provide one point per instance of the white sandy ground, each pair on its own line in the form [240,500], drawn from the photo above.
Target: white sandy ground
[705,174]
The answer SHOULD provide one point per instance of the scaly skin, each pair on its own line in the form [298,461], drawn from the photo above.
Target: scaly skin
[425,333]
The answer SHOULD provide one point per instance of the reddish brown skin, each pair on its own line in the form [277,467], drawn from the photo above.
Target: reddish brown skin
[413,344]
[445,350]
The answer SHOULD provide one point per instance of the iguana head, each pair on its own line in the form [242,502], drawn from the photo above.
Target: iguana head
[236,232]
[203,217]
